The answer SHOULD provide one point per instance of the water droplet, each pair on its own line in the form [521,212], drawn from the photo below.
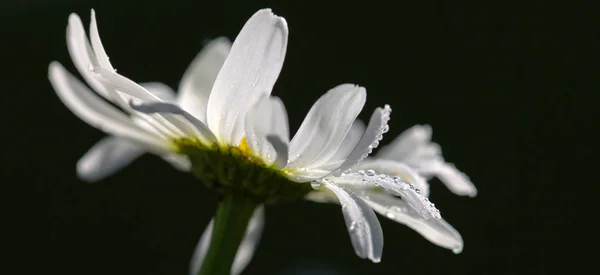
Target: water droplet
[397,179]
[316,185]
[383,176]
[418,191]
[411,186]
[375,144]
[393,211]
[386,128]
[370,173]
[352,226]
[361,172]
[379,137]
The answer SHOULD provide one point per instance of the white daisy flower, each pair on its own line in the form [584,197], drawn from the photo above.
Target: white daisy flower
[226,129]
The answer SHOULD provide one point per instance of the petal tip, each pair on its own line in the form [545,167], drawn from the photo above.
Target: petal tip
[74,19]
[457,250]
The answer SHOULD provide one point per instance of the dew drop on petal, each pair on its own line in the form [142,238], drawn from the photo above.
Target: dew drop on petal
[397,179]
[375,144]
[361,172]
[393,211]
[370,173]
[418,191]
[382,176]
[353,226]
[316,185]
[386,128]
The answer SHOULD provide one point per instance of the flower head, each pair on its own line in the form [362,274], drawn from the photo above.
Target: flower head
[226,128]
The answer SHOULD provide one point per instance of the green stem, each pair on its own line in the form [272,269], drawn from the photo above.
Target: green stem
[233,214]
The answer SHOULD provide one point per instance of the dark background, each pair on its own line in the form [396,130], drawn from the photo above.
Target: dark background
[510,90]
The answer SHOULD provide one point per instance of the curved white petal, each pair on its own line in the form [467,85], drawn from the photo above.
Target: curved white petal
[198,79]
[106,157]
[308,175]
[245,251]
[326,125]
[179,162]
[83,55]
[101,55]
[191,125]
[350,141]
[98,113]
[437,231]
[406,144]
[370,139]
[268,118]
[160,90]
[456,181]
[396,168]
[249,72]
[394,186]
[364,228]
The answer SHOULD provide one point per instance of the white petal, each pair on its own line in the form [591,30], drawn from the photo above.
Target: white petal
[370,139]
[350,141]
[198,79]
[396,168]
[326,125]
[308,175]
[394,186]
[160,90]
[199,129]
[82,54]
[98,113]
[250,241]
[97,44]
[268,118]
[404,146]
[364,228]
[456,181]
[245,251]
[437,231]
[119,83]
[107,157]
[179,162]
[249,73]
[146,102]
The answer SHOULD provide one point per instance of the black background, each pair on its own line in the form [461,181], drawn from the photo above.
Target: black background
[510,90]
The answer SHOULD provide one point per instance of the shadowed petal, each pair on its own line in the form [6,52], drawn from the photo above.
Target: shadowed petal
[107,157]
[198,79]
[363,226]
[98,113]
[269,118]
[437,231]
